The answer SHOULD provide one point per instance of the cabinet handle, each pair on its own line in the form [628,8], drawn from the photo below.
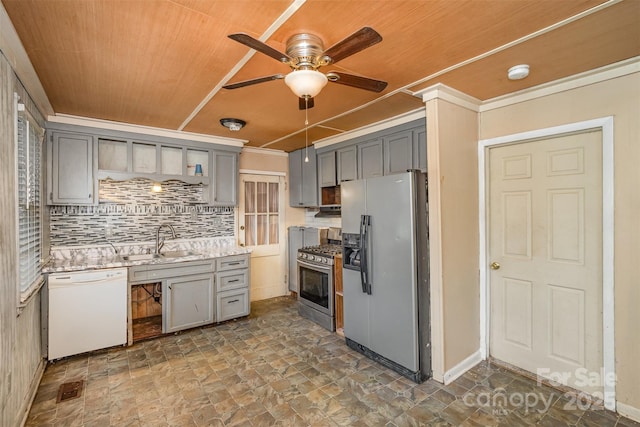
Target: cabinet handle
[89,195]
[233,263]
[232,301]
[234,281]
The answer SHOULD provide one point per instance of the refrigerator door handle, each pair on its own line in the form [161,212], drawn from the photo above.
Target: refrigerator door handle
[367,227]
[363,255]
[365,221]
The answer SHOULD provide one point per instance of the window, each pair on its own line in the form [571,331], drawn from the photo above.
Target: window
[261,212]
[29,141]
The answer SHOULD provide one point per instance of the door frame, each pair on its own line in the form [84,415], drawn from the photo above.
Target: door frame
[605,125]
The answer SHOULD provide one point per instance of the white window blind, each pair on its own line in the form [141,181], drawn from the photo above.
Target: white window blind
[30,137]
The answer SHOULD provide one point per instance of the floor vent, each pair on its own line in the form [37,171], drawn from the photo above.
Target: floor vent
[68,391]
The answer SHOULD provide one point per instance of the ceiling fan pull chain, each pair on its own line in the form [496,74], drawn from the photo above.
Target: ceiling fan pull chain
[306,129]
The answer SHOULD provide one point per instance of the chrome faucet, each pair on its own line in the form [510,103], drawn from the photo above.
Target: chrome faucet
[160,242]
[114,248]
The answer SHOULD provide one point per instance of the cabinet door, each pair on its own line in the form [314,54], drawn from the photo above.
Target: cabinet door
[309,178]
[311,237]
[187,302]
[420,149]
[398,149]
[225,179]
[295,179]
[295,243]
[347,164]
[370,156]
[72,170]
[327,169]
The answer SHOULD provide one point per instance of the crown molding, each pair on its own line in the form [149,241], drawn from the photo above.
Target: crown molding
[371,128]
[441,91]
[145,130]
[265,151]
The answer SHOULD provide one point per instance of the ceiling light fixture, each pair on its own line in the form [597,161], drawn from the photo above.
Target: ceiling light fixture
[518,72]
[233,124]
[305,83]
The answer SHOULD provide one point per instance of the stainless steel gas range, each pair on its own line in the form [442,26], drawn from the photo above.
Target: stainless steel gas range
[315,278]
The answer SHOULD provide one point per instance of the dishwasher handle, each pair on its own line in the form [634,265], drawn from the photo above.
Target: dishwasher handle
[82,278]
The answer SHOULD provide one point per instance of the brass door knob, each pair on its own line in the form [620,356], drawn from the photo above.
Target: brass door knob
[495,266]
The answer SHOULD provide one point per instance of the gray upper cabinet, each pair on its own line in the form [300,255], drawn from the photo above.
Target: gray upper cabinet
[303,180]
[370,159]
[71,172]
[225,179]
[327,169]
[420,149]
[399,152]
[346,160]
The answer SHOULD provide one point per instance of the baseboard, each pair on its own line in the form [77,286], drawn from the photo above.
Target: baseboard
[462,367]
[628,411]
[33,389]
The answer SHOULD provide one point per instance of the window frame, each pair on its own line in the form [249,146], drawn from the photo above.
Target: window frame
[24,293]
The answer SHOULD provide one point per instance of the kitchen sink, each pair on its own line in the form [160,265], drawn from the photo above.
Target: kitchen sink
[140,257]
[176,254]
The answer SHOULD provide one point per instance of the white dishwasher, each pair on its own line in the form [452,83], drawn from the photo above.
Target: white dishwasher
[87,311]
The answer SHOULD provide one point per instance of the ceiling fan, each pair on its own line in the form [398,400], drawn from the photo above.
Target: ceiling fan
[305,54]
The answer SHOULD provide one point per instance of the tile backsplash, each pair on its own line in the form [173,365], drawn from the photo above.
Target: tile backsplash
[129,212]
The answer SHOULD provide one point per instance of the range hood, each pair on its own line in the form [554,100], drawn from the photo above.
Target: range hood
[329,212]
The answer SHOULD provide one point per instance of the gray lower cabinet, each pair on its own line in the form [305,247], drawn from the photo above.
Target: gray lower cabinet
[188,291]
[71,171]
[187,302]
[225,179]
[232,287]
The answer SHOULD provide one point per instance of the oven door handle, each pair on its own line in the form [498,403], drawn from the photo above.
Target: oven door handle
[315,267]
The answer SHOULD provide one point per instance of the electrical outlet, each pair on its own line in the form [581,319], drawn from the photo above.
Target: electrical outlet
[217,222]
[194,215]
[108,231]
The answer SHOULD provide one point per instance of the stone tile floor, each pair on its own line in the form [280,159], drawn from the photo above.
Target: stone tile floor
[276,369]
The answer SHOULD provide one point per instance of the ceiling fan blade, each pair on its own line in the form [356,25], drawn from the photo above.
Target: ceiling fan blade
[304,105]
[357,81]
[253,81]
[256,44]
[360,40]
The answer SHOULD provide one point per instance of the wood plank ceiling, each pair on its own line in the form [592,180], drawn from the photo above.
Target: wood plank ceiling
[162,63]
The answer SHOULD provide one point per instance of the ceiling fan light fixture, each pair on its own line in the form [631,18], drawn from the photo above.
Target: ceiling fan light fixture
[233,125]
[305,83]
[518,72]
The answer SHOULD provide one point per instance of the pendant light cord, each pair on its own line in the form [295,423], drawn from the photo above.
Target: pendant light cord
[306,130]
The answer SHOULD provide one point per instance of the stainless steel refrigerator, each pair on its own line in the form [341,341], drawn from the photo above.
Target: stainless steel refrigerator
[386,271]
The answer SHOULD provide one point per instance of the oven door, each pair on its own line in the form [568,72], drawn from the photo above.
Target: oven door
[316,286]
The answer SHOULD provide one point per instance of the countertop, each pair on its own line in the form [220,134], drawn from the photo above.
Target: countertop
[67,260]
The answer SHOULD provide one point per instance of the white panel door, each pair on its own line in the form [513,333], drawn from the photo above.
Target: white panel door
[545,210]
